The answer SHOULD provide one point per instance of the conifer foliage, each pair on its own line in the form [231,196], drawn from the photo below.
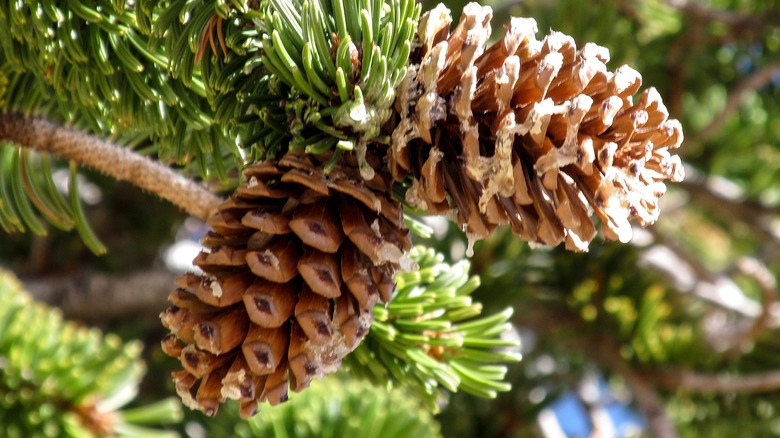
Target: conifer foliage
[59,379]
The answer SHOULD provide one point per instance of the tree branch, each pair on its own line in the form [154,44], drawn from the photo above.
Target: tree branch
[739,23]
[603,350]
[110,159]
[752,214]
[759,272]
[647,399]
[96,297]
[753,82]
[687,274]
[690,381]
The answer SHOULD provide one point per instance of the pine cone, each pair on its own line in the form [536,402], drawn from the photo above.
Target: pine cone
[529,133]
[297,260]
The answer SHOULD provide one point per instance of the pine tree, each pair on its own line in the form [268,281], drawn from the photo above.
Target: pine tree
[312,136]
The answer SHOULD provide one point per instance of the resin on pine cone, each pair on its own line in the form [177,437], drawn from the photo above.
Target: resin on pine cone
[297,260]
[532,133]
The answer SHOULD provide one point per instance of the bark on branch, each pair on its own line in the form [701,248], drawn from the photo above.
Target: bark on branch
[753,82]
[96,297]
[110,159]
[742,23]
[748,212]
[645,394]
[689,381]
[767,284]
[603,350]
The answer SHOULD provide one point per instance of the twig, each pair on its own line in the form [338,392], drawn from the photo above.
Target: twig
[702,184]
[96,297]
[768,285]
[753,82]
[110,159]
[690,381]
[647,399]
[546,321]
[676,59]
[732,210]
[714,287]
[701,272]
[740,25]
[720,289]
[737,22]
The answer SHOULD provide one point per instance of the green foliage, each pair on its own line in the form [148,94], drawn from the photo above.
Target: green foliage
[215,44]
[432,337]
[89,63]
[369,63]
[638,308]
[314,76]
[28,192]
[335,407]
[202,81]
[59,379]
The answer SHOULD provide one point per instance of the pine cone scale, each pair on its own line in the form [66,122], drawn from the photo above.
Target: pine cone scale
[276,387]
[313,316]
[320,271]
[264,348]
[317,225]
[270,304]
[276,262]
[199,362]
[223,292]
[266,220]
[313,181]
[222,332]
[302,368]
[237,383]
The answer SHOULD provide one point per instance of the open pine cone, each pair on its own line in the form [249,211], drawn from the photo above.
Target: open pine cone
[530,133]
[298,259]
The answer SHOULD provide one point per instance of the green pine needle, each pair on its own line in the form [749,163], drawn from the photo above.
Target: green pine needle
[335,407]
[429,340]
[98,66]
[337,63]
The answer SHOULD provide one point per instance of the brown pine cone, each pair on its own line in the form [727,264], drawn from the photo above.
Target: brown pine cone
[297,260]
[531,133]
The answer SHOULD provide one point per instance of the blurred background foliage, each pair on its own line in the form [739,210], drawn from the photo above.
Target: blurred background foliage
[678,329]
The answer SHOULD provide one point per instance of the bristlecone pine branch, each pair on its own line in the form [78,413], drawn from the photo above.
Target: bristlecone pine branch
[297,260]
[531,133]
[535,134]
